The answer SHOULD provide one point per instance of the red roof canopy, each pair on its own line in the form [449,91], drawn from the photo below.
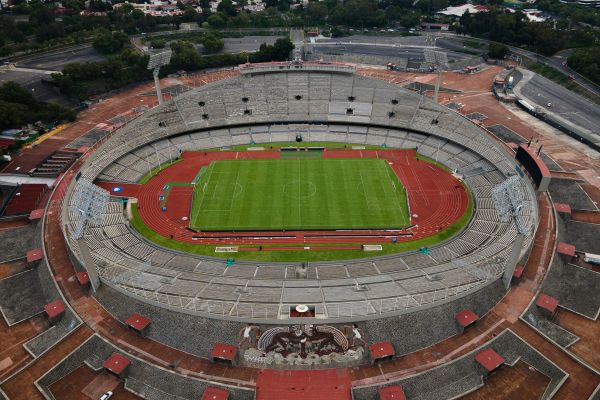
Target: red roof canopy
[565,249]
[393,392]
[224,351]
[116,363]
[36,214]
[138,322]
[55,308]
[381,349]
[215,393]
[83,278]
[546,302]
[466,318]
[562,208]
[489,359]
[519,269]
[34,255]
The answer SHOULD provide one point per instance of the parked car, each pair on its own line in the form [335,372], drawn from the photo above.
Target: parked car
[106,395]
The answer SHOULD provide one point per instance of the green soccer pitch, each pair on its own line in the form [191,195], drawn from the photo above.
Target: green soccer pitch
[286,194]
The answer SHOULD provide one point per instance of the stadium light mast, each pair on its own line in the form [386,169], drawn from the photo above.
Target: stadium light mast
[440,60]
[508,201]
[89,202]
[156,61]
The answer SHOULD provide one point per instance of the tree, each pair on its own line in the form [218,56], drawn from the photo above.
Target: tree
[586,62]
[216,21]
[282,49]
[110,42]
[498,51]
[317,12]
[227,7]
[190,15]
[212,43]
[279,51]
[184,56]
[13,92]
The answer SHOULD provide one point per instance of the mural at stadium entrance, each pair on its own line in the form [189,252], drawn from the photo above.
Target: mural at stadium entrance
[308,345]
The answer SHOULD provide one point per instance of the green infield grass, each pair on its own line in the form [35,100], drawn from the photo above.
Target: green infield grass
[299,193]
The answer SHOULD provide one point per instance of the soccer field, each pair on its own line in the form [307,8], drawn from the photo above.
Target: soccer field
[299,194]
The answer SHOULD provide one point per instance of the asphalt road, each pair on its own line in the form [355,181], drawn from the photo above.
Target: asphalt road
[565,103]
[555,62]
[56,60]
[244,44]
[409,47]
[31,81]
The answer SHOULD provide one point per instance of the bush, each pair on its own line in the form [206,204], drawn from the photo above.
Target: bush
[586,62]
[212,43]
[110,42]
[498,51]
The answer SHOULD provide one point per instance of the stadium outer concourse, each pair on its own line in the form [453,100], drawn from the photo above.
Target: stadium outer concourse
[435,321]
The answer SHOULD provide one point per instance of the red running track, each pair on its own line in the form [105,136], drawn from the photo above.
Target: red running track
[436,200]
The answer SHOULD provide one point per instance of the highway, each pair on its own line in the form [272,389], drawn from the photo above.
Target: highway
[555,62]
[409,47]
[541,92]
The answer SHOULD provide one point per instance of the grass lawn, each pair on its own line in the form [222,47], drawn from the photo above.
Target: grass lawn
[304,193]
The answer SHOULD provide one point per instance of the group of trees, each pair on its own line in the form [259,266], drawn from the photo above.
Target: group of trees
[186,57]
[86,79]
[83,80]
[18,107]
[515,29]
[586,62]
[107,42]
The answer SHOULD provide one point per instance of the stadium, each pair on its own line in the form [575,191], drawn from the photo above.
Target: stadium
[304,230]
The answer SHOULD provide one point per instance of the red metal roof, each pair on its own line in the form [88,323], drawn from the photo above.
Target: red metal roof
[34,255]
[215,393]
[325,384]
[54,309]
[116,363]
[4,143]
[224,351]
[562,208]
[393,392]
[519,269]
[381,349]
[546,302]
[489,359]
[466,318]
[137,321]
[83,278]
[565,249]
[26,199]
[36,214]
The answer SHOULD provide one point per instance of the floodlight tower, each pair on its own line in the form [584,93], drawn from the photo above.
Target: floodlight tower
[89,202]
[508,201]
[156,61]
[440,60]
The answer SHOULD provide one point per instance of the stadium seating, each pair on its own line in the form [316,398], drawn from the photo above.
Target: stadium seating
[313,104]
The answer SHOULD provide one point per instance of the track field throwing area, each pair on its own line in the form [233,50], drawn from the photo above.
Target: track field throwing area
[299,194]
